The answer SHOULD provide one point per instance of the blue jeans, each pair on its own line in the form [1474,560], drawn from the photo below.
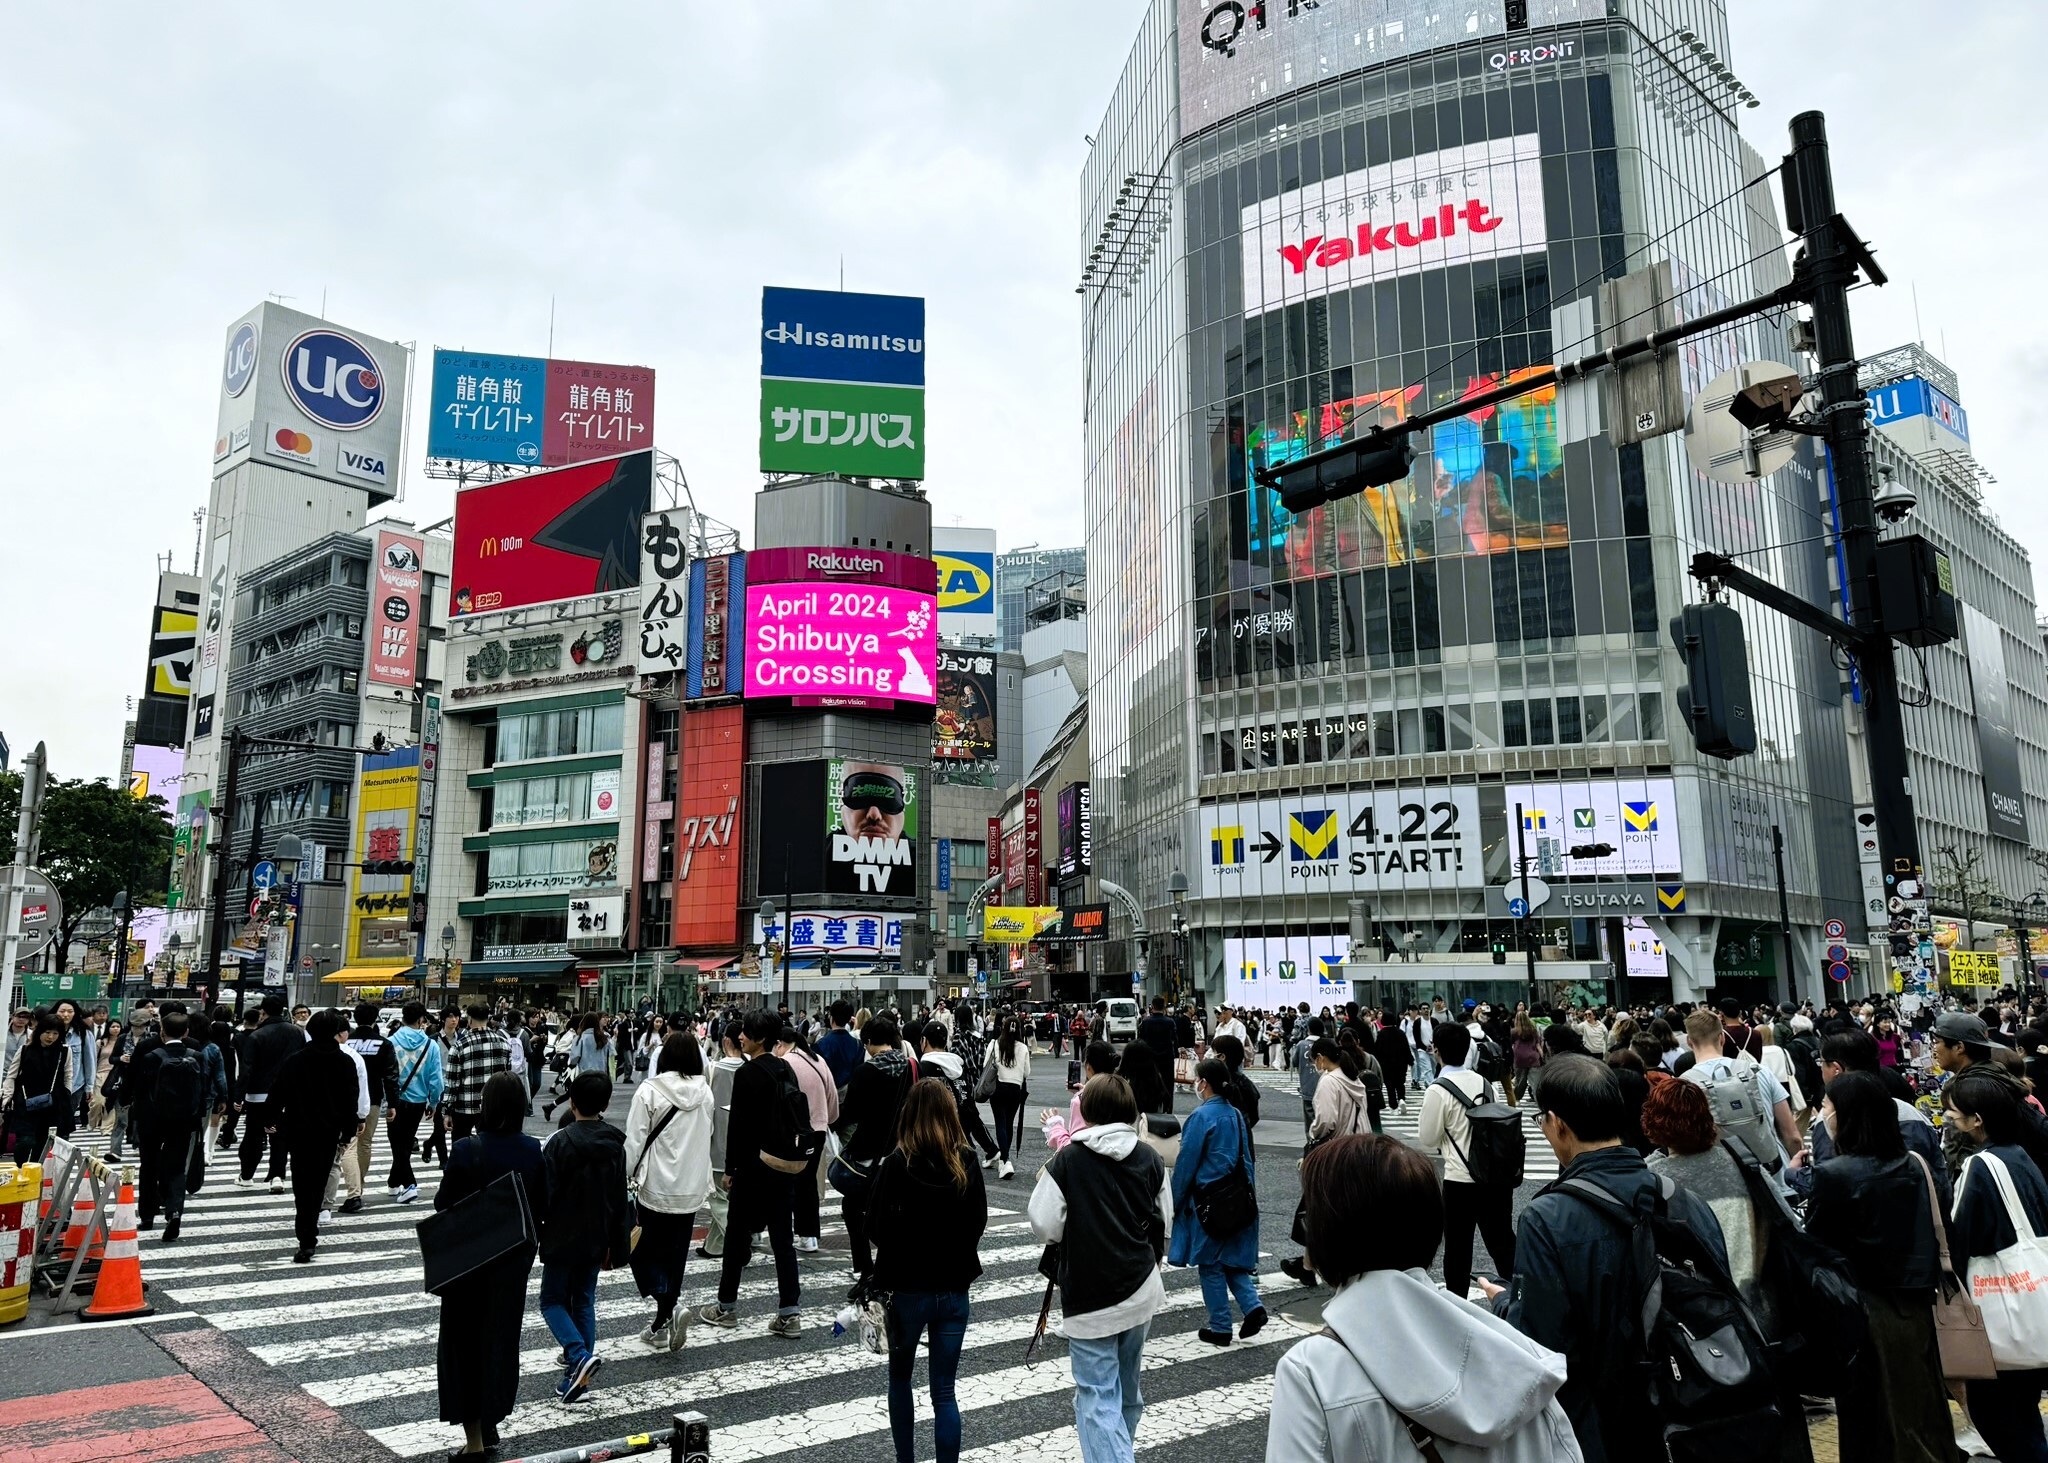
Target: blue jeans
[1107,1402]
[568,1303]
[1221,1285]
[1425,1069]
[910,1312]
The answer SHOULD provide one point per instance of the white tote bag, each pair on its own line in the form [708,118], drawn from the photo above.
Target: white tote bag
[2011,1287]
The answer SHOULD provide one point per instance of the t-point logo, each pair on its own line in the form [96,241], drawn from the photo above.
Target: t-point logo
[333,380]
[241,362]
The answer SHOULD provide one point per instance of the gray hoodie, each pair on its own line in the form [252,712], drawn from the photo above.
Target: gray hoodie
[1402,1346]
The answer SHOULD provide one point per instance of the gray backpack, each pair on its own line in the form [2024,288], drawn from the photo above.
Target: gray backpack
[1743,1113]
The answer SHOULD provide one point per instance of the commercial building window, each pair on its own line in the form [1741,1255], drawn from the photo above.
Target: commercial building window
[561,733]
[564,799]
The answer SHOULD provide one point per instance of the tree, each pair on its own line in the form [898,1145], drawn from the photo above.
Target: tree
[1959,884]
[96,841]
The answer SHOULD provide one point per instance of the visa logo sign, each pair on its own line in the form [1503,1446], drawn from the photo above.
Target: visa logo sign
[966,583]
[369,466]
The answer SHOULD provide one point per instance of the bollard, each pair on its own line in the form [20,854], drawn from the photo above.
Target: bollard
[19,1191]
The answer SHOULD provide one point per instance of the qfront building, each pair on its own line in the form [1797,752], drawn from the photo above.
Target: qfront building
[1350,730]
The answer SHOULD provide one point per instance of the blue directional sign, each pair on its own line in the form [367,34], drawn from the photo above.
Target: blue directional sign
[1518,907]
[263,878]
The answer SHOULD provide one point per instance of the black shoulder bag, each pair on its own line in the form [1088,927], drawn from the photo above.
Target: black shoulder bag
[1227,1206]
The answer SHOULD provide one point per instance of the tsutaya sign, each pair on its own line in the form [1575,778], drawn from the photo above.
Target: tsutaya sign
[1483,200]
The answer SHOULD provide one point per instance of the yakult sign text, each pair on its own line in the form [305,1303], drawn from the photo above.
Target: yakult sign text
[1480,201]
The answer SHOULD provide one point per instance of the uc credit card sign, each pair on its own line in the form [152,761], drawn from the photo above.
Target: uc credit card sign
[842,383]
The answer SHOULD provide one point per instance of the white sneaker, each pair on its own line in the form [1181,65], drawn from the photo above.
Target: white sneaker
[326,1217]
[407,1194]
[242,1183]
[989,1162]
[655,1334]
[1006,1170]
[808,1244]
[678,1330]
[277,1186]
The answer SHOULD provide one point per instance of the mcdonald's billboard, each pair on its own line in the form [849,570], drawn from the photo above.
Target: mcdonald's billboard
[550,535]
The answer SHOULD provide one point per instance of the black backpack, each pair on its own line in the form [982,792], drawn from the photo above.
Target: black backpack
[1688,1346]
[1498,1143]
[1244,1096]
[1488,1060]
[1805,1052]
[179,1092]
[792,1141]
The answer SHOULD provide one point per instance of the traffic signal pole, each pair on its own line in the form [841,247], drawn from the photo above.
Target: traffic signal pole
[1832,255]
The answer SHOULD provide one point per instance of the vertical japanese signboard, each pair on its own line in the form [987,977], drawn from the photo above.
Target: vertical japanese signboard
[718,593]
[842,383]
[395,609]
[664,594]
[423,817]
[1034,849]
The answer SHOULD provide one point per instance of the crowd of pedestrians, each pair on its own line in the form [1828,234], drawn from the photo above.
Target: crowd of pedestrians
[1825,1201]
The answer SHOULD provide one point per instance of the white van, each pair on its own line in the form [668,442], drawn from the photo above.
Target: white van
[1122,1022]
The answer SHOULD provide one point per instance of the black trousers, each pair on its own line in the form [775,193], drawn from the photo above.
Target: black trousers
[804,1197]
[166,1153]
[1490,1209]
[460,1126]
[254,1116]
[404,1130]
[1007,1106]
[976,1129]
[312,1161]
[762,1199]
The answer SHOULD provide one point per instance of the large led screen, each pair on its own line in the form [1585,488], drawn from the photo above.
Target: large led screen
[842,645]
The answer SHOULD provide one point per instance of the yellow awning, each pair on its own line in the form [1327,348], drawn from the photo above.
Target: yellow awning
[368,975]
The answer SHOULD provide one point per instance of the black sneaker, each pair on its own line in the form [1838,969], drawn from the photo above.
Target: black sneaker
[303,1256]
[1253,1324]
[170,1232]
[352,1205]
[1214,1338]
[1298,1269]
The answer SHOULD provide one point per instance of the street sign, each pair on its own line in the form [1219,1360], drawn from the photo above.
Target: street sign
[42,913]
[1836,931]
[263,878]
[1137,984]
[1838,970]
[1518,907]
[1838,954]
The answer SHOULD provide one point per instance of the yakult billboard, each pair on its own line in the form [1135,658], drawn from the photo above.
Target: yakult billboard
[1480,201]
[395,609]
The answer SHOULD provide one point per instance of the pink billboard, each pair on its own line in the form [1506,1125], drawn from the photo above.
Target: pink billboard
[842,645]
[398,576]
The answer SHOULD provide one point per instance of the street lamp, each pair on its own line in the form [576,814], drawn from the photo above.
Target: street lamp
[447,959]
[288,855]
[119,965]
[1177,887]
[767,923]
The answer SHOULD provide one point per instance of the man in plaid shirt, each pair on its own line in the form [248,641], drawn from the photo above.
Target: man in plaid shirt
[477,1055]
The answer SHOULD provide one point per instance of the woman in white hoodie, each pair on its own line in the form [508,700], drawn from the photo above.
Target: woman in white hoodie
[1400,1362]
[668,1155]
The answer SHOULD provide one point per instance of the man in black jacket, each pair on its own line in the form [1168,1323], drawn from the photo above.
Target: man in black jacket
[759,1197]
[1573,1291]
[309,1111]
[262,1056]
[1161,1033]
[369,1042]
[175,1086]
[584,1222]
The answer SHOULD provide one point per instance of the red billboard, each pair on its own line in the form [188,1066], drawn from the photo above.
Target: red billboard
[710,774]
[398,574]
[596,411]
[553,535]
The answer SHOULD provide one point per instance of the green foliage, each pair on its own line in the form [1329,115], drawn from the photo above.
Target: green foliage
[96,841]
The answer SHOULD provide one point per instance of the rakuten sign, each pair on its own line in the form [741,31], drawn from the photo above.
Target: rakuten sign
[841,645]
[1480,201]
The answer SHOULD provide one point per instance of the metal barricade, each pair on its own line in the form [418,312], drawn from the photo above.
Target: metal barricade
[687,1440]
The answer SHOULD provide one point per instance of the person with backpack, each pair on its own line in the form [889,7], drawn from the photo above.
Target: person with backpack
[668,1159]
[1481,1142]
[312,1106]
[585,1226]
[175,1090]
[930,1209]
[1874,1203]
[867,1133]
[276,1039]
[936,1059]
[1307,1074]
[1102,1206]
[1400,1364]
[1579,1288]
[822,1093]
[769,1142]
[420,1086]
[1750,1105]
[1215,1207]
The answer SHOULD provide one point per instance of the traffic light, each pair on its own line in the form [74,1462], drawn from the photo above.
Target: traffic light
[1715,701]
[387,866]
[1370,462]
[1591,850]
[1500,950]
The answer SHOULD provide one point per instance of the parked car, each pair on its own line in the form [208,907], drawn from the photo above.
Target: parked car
[1122,1024]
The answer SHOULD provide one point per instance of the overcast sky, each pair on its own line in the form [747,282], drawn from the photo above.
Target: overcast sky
[440,172]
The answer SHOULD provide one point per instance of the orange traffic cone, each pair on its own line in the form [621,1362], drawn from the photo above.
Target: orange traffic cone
[117,1294]
[84,1209]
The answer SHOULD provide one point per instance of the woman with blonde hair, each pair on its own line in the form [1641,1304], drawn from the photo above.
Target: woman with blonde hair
[927,1211]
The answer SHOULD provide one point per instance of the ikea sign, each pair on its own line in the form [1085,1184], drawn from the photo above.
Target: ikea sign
[967,583]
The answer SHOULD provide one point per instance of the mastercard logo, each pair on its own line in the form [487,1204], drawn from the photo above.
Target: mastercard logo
[294,442]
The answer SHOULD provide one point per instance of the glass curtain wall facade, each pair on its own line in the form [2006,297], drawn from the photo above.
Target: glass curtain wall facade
[1311,713]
